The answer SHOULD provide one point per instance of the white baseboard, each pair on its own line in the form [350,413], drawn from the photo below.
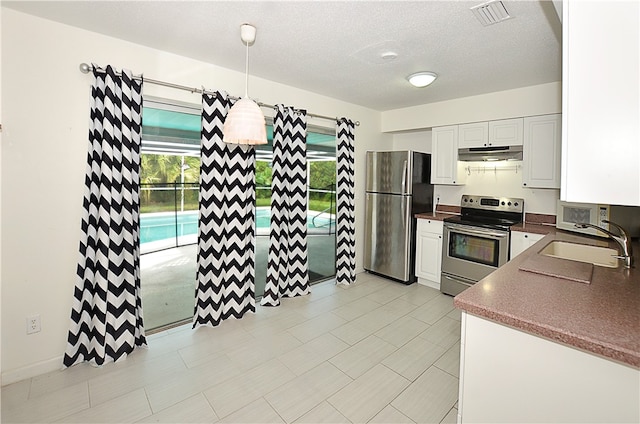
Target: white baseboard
[429,283]
[33,370]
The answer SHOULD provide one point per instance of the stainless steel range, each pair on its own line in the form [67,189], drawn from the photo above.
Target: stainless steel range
[476,243]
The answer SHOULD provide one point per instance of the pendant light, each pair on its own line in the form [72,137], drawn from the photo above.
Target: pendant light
[245,123]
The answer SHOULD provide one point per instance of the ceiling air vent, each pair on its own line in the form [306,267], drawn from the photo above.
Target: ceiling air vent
[491,12]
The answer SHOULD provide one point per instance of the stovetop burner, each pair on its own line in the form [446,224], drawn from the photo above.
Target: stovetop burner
[499,224]
[489,212]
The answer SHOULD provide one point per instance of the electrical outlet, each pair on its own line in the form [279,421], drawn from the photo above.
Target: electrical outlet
[33,324]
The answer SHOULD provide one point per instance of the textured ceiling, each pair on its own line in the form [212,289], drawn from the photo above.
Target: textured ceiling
[334,48]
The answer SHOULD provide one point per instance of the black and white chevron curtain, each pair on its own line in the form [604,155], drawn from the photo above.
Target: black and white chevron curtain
[287,262]
[226,238]
[345,213]
[106,318]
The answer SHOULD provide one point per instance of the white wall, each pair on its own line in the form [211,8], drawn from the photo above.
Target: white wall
[420,141]
[527,101]
[45,105]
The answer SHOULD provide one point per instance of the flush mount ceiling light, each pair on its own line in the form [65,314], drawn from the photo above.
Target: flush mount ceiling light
[245,123]
[422,79]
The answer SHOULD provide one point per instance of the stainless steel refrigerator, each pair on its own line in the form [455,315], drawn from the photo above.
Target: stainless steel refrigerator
[398,185]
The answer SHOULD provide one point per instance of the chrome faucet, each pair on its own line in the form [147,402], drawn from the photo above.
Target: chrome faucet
[623,240]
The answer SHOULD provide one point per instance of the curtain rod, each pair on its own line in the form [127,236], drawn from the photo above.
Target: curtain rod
[85,69]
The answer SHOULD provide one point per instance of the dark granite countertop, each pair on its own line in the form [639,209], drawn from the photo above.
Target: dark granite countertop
[526,227]
[441,212]
[601,316]
[436,216]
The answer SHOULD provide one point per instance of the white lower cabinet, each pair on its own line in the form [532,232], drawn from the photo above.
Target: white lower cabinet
[509,376]
[429,252]
[522,241]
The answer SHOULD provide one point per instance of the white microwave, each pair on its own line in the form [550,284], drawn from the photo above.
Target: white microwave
[569,213]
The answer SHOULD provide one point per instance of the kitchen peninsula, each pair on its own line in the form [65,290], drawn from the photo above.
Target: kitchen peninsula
[539,348]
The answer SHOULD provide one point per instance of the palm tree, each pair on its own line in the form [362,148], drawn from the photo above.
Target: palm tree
[166,169]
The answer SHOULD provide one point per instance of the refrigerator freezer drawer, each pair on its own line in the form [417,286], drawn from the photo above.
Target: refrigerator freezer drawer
[388,229]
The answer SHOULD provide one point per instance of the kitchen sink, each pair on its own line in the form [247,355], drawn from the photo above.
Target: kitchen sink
[601,256]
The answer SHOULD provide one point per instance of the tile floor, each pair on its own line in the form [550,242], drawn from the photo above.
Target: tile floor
[376,351]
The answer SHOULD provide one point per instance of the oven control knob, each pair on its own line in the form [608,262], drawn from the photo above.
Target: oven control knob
[509,203]
[515,204]
[503,203]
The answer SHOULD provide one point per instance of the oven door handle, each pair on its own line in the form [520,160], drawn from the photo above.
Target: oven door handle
[459,279]
[466,230]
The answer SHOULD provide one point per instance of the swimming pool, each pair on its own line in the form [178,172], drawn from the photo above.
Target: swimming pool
[161,226]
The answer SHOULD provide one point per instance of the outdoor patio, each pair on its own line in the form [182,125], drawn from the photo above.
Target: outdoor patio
[168,277]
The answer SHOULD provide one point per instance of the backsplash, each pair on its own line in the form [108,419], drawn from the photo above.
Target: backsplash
[488,179]
[537,218]
[448,208]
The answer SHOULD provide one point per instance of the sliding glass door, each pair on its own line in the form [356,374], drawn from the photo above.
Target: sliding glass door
[170,171]
[169,175]
[321,194]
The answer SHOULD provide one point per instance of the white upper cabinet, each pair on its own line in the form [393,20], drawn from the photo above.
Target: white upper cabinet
[507,132]
[541,151]
[445,168]
[473,135]
[601,102]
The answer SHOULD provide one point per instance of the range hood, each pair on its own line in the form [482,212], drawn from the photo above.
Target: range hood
[476,154]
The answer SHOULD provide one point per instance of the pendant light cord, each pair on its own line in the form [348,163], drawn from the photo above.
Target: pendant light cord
[246,73]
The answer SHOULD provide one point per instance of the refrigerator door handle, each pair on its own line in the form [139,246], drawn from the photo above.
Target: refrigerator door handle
[404,177]
[406,215]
